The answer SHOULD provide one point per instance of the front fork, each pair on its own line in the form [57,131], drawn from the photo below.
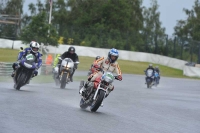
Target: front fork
[68,75]
[99,88]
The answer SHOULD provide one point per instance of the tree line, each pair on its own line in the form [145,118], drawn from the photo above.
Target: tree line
[123,24]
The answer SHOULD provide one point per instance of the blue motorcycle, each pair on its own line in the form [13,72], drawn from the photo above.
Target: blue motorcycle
[24,71]
[156,78]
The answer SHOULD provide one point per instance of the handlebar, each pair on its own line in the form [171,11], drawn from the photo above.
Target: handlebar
[77,62]
[116,77]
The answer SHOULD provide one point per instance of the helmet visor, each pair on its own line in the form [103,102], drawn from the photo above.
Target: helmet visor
[35,49]
[71,51]
[113,57]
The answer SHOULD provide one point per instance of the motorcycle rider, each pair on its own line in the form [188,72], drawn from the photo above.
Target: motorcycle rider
[158,71]
[108,64]
[72,55]
[149,67]
[21,49]
[33,49]
[96,58]
[92,68]
[56,60]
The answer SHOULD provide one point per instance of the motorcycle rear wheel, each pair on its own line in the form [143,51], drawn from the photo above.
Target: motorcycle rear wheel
[149,85]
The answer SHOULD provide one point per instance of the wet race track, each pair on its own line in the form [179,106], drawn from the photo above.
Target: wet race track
[172,107]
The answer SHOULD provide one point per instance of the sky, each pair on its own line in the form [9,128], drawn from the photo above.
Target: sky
[170,11]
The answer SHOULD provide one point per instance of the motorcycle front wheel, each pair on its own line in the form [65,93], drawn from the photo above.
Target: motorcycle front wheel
[20,81]
[83,105]
[63,81]
[97,102]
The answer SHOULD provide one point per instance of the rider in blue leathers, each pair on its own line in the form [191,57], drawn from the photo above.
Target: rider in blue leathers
[158,71]
[33,49]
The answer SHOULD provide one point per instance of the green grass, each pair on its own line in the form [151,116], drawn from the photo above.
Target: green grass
[129,67]
[8,55]
[139,67]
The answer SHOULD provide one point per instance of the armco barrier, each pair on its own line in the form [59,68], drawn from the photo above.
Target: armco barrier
[6,69]
[191,71]
[93,52]
[124,55]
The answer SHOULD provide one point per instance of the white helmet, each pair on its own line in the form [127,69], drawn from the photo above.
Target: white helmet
[34,46]
[31,43]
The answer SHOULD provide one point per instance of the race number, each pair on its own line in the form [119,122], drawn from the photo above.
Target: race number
[29,57]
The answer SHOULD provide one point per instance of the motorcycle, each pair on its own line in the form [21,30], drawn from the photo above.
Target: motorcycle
[92,69]
[156,78]
[24,71]
[149,78]
[66,68]
[93,97]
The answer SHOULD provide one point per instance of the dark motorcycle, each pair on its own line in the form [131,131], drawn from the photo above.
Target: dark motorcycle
[149,78]
[24,71]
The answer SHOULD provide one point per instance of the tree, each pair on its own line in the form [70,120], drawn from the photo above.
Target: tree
[97,24]
[60,16]
[32,9]
[12,10]
[38,30]
[188,30]
[153,33]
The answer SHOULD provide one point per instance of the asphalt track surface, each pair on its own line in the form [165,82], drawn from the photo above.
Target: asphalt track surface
[172,107]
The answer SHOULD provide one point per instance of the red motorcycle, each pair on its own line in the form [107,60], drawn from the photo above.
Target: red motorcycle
[93,68]
[95,95]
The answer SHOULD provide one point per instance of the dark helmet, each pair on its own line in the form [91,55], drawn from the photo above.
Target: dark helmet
[71,49]
[150,66]
[98,57]
[113,52]
[157,67]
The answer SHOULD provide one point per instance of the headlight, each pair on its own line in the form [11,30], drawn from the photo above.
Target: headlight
[27,65]
[68,66]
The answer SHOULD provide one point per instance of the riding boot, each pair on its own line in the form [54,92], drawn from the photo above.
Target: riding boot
[71,76]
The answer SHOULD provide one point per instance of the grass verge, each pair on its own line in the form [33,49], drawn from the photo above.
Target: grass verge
[128,67]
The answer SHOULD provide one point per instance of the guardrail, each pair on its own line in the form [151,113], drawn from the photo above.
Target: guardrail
[6,69]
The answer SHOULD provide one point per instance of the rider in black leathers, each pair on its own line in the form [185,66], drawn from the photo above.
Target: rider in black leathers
[157,70]
[150,67]
[72,55]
